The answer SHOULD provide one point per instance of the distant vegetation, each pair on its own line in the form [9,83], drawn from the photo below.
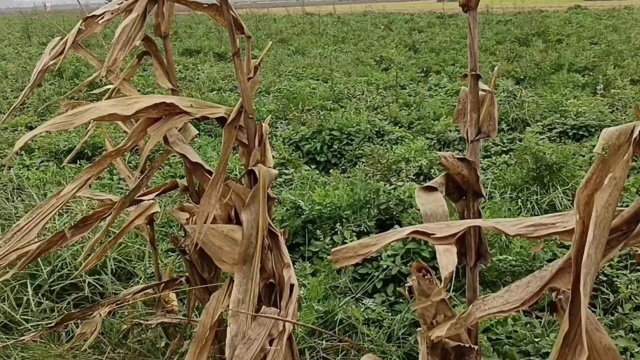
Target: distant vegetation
[360,106]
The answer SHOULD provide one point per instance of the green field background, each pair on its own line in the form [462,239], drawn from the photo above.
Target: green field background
[360,105]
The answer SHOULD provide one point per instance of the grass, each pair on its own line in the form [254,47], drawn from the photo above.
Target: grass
[360,105]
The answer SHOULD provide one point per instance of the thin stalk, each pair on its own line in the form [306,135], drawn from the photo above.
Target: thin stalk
[474,146]
[171,65]
[241,76]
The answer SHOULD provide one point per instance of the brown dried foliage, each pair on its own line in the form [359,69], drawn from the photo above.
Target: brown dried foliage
[227,225]
[596,229]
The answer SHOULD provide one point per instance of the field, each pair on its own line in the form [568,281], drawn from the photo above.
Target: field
[309,7]
[360,104]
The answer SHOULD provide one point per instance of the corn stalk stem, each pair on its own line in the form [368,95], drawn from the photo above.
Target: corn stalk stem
[474,146]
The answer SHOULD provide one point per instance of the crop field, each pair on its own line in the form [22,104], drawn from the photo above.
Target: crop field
[360,106]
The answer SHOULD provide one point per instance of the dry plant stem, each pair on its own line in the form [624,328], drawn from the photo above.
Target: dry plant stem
[171,66]
[241,75]
[151,226]
[474,146]
[173,78]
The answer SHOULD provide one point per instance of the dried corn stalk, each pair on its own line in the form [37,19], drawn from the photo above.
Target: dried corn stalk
[227,222]
[597,230]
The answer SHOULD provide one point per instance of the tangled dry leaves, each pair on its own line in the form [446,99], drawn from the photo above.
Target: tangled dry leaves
[226,222]
[596,229]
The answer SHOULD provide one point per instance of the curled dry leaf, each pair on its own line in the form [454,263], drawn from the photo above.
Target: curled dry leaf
[488,124]
[200,345]
[596,202]
[138,217]
[26,230]
[221,242]
[88,331]
[446,233]
[433,208]
[489,109]
[464,172]
[255,343]
[255,223]
[600,346]
[128,35]
[433,307]
[58,48]
[121,109]
[129,296]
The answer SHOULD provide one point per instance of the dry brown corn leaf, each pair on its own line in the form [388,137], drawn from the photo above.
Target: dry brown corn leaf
[36,76]
[127,297]
[369,357]
[90,130]
[157,131]
[139,216]
[283,346]
[125,108]
[255,344]
[119,163]
[489,110]
[123,85]
[88,331]
[221,242]
[211,198]
[599,343]
[524,292]
[433,208]
[488,114]
[26,230]
[464,172]
[28,255]
[58,48]
[126,201]
[433,307]
[100,196]
[85,83]
[81,228]
[177,143]
[200,345]
[255,223]
[519,295]
[464,185]
[620,142]
[432,303]
[128,35]
[446,233]
[160,320]
[460,114]
[160,69]
[215,12]
[596,202]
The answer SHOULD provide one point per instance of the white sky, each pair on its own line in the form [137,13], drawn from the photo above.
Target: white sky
[29,3]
